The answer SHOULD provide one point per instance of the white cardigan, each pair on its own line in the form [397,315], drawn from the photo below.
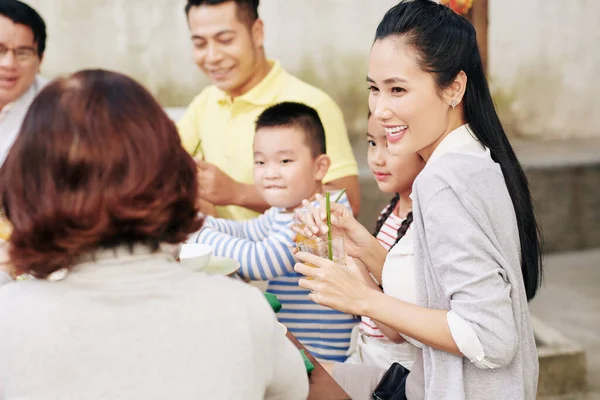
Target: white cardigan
[140,326]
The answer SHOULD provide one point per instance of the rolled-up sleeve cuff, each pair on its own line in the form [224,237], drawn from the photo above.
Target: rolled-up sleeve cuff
[467,341]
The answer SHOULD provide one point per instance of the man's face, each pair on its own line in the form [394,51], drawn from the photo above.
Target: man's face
[20,61]
[226,49]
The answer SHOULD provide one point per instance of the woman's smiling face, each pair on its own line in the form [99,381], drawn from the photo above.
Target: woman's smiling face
[405,100]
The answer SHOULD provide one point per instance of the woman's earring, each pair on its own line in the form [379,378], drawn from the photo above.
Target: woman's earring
[453,104]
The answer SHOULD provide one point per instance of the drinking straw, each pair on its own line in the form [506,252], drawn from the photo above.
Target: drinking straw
[340,195]
[197,148]
[328,209]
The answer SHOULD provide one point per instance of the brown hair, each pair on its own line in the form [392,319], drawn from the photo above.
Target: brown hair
[97,164]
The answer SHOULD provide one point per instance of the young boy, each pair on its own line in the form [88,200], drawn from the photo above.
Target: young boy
[289,165]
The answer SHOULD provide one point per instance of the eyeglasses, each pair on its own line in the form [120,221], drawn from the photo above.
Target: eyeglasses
[22,54]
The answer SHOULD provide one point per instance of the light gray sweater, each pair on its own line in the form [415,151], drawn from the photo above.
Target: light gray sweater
[468,245]
[142,327]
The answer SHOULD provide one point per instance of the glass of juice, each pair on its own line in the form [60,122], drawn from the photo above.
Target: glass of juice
[301,238]
[322,247]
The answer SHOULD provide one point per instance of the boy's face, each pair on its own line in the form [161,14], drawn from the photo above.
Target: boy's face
[285,173]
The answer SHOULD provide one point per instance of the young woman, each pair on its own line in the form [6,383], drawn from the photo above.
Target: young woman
[476,242]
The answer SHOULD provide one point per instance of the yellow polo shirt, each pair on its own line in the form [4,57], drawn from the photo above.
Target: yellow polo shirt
[222,128]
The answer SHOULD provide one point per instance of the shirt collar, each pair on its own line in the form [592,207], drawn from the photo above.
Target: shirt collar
[5,110]
[261,94]
[461,140]
[25,99]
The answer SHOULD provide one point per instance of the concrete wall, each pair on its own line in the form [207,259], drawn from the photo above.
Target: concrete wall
[542,53]
[545,58]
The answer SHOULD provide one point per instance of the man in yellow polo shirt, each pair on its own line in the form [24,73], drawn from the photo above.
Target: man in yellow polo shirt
[218,127]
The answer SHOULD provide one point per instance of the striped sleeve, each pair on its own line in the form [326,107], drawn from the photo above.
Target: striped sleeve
[255,229]
[259,260]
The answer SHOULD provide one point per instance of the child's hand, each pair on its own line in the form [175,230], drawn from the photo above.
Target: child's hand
[312,223]
[314,218]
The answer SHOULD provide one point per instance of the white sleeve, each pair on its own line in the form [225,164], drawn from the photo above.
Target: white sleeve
[467,341]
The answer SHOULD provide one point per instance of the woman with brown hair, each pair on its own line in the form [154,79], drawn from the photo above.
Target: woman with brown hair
[95,183]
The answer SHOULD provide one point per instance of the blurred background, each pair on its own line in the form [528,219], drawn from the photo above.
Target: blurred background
[543,58]
[542,54]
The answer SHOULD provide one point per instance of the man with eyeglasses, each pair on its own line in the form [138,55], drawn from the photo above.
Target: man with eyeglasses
[22,45]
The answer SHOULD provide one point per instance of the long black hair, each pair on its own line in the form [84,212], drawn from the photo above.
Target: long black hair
[446,44]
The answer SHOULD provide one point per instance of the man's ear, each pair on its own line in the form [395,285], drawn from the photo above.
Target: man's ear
[322,164]
[258,32]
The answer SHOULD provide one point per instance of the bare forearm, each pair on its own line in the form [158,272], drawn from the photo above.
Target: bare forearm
[426,325]
[389,333]
[248,197]
[373,257]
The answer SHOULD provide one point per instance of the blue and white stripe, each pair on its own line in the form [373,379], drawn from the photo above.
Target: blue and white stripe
[263,246]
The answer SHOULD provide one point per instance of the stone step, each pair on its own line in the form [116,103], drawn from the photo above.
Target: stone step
[563,365]
[564,178]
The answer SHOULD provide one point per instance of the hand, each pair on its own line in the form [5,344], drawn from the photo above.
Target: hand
[206,208]
[356,237]
[215,186]
[342,288]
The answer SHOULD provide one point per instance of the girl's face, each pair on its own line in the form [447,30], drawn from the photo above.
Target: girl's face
[405,100]
[394,173]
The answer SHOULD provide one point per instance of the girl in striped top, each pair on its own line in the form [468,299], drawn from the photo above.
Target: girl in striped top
[289,165]
[376,344]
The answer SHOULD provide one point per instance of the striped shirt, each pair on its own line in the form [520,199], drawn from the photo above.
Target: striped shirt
[263,246]
[387,236]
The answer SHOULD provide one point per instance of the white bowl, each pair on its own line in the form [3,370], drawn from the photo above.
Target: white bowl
[283,328]
[222,266]
[195,256]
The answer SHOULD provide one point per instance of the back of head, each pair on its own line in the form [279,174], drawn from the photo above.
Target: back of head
[21,13]
[446,44]
[297,115]
[97,164]
[247,10]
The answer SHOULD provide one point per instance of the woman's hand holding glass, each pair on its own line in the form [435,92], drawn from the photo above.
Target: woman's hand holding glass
[342,287]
